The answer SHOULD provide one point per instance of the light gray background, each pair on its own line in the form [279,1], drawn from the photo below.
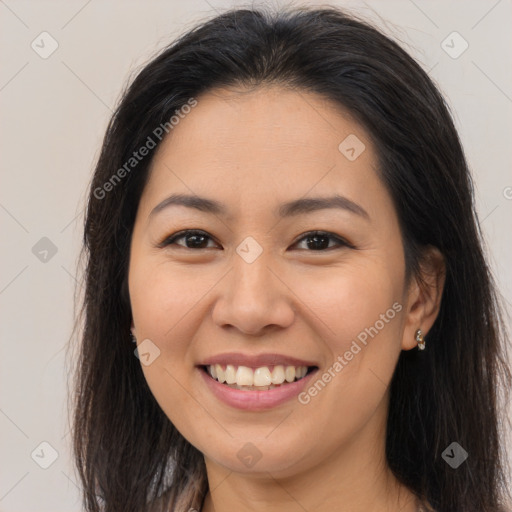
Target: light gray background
[55,111]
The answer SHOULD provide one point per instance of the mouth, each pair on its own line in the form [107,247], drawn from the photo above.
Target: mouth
[256,382]
[263,378]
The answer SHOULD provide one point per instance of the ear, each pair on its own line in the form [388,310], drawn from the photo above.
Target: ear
[423,299]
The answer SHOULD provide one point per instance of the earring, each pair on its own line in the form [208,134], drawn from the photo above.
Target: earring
[133,338]
[420,340]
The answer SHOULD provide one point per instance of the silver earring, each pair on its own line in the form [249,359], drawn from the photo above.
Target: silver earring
[420,340]
[133,338]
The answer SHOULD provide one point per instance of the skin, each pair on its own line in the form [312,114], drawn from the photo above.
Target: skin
[253,150]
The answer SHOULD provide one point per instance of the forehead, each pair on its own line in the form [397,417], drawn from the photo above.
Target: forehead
[269,118]
[263,143]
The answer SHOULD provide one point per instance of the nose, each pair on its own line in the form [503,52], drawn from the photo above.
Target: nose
[253,299]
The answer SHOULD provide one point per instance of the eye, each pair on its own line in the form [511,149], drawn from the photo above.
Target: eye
[194,239]
[320,240]
[197,239]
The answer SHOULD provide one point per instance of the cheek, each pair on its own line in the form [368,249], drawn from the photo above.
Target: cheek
[163,301]
[361,308]
[162,296]
[352,300]
[158,305]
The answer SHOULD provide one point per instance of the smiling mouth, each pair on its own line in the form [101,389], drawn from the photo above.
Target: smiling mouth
[257,379]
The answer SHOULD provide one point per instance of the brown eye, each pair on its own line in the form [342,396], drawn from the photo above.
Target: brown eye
[320,240]
[194,239]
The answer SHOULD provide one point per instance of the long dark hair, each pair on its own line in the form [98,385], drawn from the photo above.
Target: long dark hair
[129,455]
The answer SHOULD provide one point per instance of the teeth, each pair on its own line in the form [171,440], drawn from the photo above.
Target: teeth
[278,375]
[230,374]
[221,376]
[244,376]
[289,373]
[262,378]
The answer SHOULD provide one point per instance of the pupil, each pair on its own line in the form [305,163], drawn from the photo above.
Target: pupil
[195,242]
[316,238]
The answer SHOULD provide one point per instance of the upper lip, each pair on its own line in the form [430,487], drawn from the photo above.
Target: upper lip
[255,361]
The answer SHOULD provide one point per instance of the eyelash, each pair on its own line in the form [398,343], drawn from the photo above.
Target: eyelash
[310,234]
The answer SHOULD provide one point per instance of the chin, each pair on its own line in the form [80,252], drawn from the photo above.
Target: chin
[258,457]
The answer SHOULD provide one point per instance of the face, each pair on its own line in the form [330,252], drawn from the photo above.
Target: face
[295,265]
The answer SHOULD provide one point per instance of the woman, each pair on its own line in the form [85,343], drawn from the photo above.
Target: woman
[287,305]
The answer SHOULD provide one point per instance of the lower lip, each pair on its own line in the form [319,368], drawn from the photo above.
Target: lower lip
[255,400]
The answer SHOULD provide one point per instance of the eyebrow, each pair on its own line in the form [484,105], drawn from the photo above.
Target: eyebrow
[288,209]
